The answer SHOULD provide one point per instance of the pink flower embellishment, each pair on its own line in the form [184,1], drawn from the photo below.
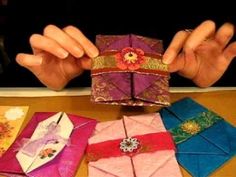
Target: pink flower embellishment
[130,58]
[49,152]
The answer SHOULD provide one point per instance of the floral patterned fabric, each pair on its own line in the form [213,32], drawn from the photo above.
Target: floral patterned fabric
[11,119]
[129,71]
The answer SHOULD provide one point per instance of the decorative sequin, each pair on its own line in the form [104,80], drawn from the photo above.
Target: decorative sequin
[129,144]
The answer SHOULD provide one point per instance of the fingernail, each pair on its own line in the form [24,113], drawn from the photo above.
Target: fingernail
[167,58]
[62,53]
[78,51]
[93,52]
[34,62]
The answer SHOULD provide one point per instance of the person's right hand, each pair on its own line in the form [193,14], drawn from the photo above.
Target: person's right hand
[202,55]
[59,55]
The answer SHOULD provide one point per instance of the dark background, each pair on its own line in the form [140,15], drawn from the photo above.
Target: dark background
[20,18]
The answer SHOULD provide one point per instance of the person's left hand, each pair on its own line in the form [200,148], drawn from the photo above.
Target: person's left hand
[203,54]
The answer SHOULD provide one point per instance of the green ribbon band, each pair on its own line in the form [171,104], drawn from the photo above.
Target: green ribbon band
[193,126]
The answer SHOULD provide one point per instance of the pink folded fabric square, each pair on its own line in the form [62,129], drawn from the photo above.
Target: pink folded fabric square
[135,146]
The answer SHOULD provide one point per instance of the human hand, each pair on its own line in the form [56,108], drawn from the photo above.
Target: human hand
[59,55]
[202,55]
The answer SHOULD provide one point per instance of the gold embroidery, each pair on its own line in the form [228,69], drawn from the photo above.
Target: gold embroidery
[154,64]
[101,91]
[109,61]
[191,127]
[104,62]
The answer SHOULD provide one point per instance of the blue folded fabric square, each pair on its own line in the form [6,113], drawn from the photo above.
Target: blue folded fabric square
[204,140]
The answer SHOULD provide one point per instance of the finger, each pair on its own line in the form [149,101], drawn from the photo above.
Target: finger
[28,60]
[204,31]
[177,64]
[86,63]
[90,49]
[224,34]
[185,64]
[230,51]
[39,42]
[175,47]
[64,40]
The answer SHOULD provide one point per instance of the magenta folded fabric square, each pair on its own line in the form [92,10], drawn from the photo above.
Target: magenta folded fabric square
[129,71]
[65,163]
[135,146]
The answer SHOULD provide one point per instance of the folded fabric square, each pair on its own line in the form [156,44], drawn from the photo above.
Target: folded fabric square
[135,146]
[205,141]
[11,119]
[129,71]
[64,164]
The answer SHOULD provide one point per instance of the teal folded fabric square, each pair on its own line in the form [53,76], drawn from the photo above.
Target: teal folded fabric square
[204,140]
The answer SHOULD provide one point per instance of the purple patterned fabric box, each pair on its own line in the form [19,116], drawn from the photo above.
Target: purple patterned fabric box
[129,71]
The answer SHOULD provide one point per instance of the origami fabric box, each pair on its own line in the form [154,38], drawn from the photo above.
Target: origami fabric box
[205,141]
[129,71]
[64,164]
[135,146]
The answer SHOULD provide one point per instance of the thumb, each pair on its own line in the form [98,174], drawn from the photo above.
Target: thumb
[28,61]
[85,62]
